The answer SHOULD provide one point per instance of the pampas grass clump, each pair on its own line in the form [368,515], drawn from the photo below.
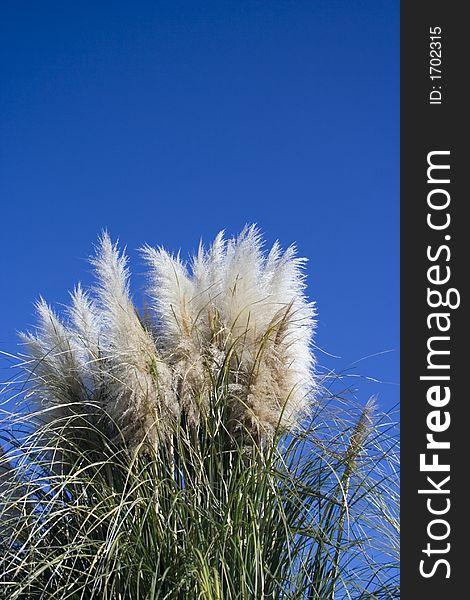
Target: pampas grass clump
[233,308]
[192,451]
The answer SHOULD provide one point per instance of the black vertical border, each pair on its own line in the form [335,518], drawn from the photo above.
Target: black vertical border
[426,128]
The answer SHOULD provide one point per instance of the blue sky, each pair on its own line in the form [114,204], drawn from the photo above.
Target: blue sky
[165,122]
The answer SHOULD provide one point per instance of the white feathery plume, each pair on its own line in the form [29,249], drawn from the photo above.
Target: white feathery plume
[272,323]
[54,367]
[174,300]
[243,299]
[235,299]
[139,392]
[86,327]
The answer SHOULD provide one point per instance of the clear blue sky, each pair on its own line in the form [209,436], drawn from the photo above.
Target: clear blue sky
[168,121]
